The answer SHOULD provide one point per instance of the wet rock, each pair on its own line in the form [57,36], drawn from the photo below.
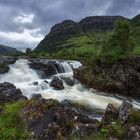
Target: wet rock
[4,62]
[44,66]
[110,115]
[35,83]
[37,96]
[69,81]
[9,93]
[57,83]
[125,111]
[46,81]
[4,69]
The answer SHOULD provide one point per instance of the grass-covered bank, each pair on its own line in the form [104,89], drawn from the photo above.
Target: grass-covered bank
[11,125]
[113,125]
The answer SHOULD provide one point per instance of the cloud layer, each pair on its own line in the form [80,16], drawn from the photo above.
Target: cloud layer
[25,22]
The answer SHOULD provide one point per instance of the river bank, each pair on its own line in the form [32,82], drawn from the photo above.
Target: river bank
[121,76]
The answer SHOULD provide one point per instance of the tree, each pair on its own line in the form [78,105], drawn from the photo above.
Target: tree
[28,51]
[119,42]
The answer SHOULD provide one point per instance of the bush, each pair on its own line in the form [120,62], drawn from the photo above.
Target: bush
[118,130]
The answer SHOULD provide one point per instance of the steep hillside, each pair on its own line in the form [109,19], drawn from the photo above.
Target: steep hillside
[72,35]
[6,50]
[135,32]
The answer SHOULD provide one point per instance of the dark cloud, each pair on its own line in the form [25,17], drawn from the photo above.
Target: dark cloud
[34,18]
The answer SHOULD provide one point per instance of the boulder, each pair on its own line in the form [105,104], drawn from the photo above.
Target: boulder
[57,83]
[4,62]
[125,111]
[4,69]
[36,96]
[69,81]
[110,115]
[9,93]
[35,83]
[44,66]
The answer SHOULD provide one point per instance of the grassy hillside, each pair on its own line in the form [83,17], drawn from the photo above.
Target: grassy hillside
[87,39]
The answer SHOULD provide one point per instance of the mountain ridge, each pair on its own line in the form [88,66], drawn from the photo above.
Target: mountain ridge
[6,50]
[60,35]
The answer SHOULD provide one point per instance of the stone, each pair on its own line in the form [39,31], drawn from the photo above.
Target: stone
[36,96]
[4,69]
[48,69]
[9,93]
[57,83]
[35,83]
[125,111]
[109,116]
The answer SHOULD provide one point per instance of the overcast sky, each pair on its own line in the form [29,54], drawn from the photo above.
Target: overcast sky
[24,23]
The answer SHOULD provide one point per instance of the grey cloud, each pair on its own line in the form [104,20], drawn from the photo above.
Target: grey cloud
[49,12]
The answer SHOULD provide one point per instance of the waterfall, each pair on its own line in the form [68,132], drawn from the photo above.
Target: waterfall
[23,77]
[66,67]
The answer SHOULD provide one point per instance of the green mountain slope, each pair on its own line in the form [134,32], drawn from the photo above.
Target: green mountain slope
[85,37]
[70,34]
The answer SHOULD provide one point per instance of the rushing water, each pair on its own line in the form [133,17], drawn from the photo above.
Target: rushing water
[23,77]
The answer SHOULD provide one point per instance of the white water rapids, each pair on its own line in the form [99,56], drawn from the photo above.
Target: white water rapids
[23,77]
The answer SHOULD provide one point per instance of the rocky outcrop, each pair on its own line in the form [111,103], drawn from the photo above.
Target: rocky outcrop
[99,22]
[57,83]
[48,120]
[9,93]
[43,65]
[110,115]
[4,62]
[125,111]
[121,123]
[122,76]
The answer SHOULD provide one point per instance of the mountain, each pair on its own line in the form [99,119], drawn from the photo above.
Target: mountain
[60,34]
[84,35]
[6,50]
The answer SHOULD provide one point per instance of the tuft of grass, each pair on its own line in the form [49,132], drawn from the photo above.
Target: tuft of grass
[11,126]
[118,130]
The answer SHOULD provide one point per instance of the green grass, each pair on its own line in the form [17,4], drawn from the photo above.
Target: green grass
[11,126]
[94,136]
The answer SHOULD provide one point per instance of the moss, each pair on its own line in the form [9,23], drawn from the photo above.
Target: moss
[135,117]
[11,126]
